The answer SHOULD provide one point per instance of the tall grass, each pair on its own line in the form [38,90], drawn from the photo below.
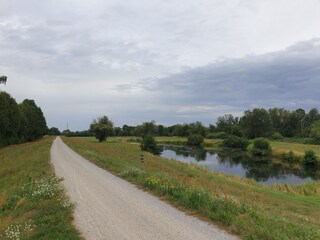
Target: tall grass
[240,206]
[33,204]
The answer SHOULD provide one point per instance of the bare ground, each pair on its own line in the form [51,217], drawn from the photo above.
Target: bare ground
[108,207]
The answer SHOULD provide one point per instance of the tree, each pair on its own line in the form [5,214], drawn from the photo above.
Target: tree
[301,115]
[279,118]
[195,140]
[178,130]
[256,123]
[54,131]
[146,128]
[226,123]
[149,144]
[35,123]
[102,127]
[315,130]
[10,120]
[3,79]
[197,128]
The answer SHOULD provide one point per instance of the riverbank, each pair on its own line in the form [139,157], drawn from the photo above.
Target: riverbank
[238,205]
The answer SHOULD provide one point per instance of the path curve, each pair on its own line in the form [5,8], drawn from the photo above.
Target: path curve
[108,207]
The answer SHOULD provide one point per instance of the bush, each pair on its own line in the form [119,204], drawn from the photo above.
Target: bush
[310,157]
[217,135]
[260,147]
[235,142]
[195,140]
[149,144]
[276,136]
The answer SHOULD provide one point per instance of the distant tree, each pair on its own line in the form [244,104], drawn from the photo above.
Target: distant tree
[301,116]
[195,140]
[66,133]
[279,118]
[146,128]
[226,123]
[256,123]
[315,130]
[102,127]
[197,128]
[117,131]
[149,144]
[54,131]
[212,128]
[128,130]
[178,130]
[160,130]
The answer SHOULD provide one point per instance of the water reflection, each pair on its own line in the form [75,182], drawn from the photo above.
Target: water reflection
[239,163]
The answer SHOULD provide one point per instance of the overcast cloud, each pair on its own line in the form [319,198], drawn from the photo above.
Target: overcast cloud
[168,61]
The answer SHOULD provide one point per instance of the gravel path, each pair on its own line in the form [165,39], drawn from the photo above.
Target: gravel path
[108,207]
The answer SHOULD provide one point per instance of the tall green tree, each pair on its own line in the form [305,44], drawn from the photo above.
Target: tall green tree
[102,127]
[279,118]
[35,123]
[256,123]
[146,128]
[315,130]
[197,128]
[10,120]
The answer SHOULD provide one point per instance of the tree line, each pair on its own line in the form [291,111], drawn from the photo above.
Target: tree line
[258,122]
[20,122]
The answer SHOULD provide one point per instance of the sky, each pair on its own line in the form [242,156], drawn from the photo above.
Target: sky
[168,61]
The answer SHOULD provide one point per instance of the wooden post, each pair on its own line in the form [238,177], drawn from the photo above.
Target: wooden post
[142,158]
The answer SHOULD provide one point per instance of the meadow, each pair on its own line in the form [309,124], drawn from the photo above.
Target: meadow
[240,206]
[33,203]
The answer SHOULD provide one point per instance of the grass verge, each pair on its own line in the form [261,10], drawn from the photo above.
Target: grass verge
[240,206]
[33,204]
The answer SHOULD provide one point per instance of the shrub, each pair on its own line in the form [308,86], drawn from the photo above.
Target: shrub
[149,144]
[289,156]
[276,136]
[218,135]
[195,140]
[310,157]
[235,142]
[260,147]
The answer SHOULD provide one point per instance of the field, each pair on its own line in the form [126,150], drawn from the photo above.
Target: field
[33,204]
[240,206]
[297,148]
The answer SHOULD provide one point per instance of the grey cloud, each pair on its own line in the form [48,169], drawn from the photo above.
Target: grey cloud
[275,79]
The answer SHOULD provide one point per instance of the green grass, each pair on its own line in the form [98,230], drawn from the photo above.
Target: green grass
[298,149]
[240,206]
[33,204]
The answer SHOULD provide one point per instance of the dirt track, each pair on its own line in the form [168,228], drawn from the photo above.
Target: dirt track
[111,208]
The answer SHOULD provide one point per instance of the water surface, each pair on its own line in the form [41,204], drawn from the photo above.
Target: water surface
[264,170]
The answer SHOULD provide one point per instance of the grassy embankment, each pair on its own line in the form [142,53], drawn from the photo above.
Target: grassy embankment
[240,206]
[33,204]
